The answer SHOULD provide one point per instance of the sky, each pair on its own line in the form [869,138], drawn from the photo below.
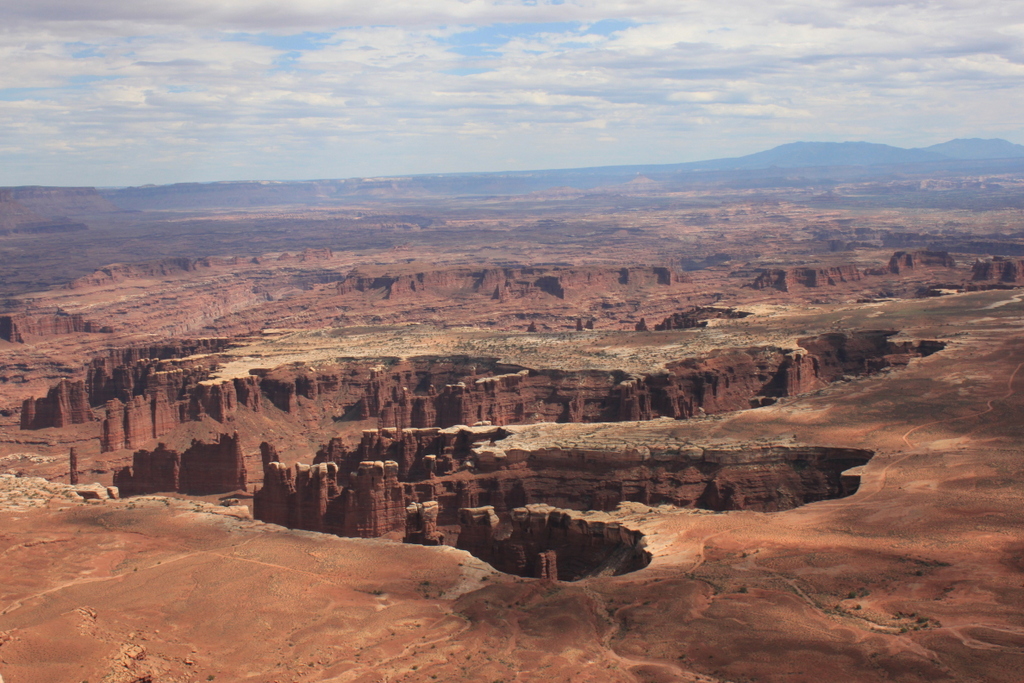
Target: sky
[130,92]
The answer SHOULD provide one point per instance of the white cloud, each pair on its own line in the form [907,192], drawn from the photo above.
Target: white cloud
[129,92]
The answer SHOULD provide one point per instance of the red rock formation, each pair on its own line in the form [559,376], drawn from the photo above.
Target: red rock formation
[696,316]
[908,260]
[66,403]
[132,371]
[15,328]
[547,565]
[119,272]
[203,469]
[375,502]
[315,488]
[421,524]
[549,543]
[999,269]
[434,392]
[642,325]
[156,471]
[73,466]
[128,425]
[406,447]
[512,283]
[208,468]
[132,424]
[784,279]
[274,502]
[268,454]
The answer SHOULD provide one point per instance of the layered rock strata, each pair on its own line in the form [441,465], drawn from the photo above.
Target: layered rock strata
[784,279]
[374,500]
[65,404]
[501,284]
[548,543]
[697,316]
[440,392]
[19,329]
[909,260]
[998,269]
[311,498]
[202,469]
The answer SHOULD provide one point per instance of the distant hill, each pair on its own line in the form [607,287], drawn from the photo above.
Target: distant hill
[804,154]
[976,148]
[790,165]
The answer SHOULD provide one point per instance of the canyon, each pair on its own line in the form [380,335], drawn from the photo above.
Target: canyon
[648,432]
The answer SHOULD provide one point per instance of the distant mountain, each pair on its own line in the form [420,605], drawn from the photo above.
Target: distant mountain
[796,164]
[804,154]
[977,148]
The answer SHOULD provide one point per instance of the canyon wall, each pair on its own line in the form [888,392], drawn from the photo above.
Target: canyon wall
[513,283]
[909,260]
[783,279]
[144,398]
[697,316]
[548,543]
[66,403]
[19,329]
[202,469]
[374,499]
[998,269]
[434,392]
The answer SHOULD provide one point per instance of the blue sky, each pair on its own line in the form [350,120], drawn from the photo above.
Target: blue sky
[119,92]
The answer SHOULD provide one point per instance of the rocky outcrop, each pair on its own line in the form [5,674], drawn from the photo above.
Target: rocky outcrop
[73,466]
[156,471]
[133,423]
[427,392]
[208,468]
[202,469]
[19,329]
[132,371]
[67,403]
[785,279]
[998,269]
[549,543]
[909,260]
[119,272]
[421,524]
[310,498]
[512,283]
[374,500]
[697,316]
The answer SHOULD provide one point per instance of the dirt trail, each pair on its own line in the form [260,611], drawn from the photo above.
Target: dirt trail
[884,473]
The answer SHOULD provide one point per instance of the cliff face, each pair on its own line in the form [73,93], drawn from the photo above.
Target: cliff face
[311,498]
[999,269]
[20,329]
[697,316]
[549,543]
[202,469]
[785,279]
[513,283]
[909,260]
[141,418]
[146,392]
[374,500]
[66,403]
[435,392]
[145,398]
